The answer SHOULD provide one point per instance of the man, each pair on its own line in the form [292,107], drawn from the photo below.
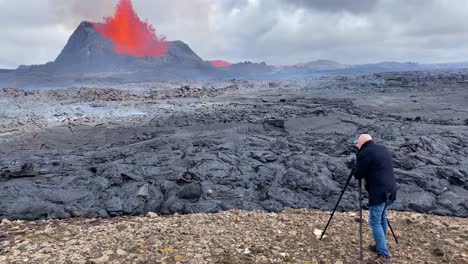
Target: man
[374,165]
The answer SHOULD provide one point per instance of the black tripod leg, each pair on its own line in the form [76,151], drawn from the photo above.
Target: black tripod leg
[393,233]
[337,203]
[388,223]
[361,256]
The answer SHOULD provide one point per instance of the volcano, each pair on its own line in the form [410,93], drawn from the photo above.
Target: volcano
[88,50]
[122,42]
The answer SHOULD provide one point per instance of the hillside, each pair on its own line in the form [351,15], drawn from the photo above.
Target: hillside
[229,237]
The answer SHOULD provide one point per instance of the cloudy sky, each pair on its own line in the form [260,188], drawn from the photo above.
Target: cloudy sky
[274,31]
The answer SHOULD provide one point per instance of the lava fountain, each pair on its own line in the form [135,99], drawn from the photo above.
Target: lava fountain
[130,35]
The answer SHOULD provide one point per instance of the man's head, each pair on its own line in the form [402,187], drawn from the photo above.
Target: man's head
[363,138]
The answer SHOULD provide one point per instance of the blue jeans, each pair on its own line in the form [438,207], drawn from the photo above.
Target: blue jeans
[378,224]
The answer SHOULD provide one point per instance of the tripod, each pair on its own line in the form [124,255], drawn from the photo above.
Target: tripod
[360,213]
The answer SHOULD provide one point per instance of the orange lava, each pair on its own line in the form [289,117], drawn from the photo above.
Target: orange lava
[221,63]
[131,35]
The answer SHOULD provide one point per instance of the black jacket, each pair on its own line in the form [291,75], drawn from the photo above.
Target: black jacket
[374,165]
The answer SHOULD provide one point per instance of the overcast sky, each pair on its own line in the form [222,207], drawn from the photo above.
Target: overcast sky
[274,31]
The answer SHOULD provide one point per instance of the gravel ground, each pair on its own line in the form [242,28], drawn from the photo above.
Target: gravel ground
[229,237]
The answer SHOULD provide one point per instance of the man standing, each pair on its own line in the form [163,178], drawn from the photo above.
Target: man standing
[374,165]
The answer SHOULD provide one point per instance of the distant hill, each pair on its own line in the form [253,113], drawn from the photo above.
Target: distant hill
[386,67]
[320,65]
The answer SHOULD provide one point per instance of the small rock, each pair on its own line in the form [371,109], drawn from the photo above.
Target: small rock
[143,191]
[450,241]
[121,252]
[48,250]
[6,222]
[278,123]
[108,252]
[439,248]
[167,250]
[317,232]
[414,216]
[152,215]
[101,260]
[192,191]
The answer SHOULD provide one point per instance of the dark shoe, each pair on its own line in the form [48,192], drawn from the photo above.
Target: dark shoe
[373,248]
[383,260]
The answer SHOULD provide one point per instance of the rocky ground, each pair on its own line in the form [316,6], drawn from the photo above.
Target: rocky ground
[211,146]
[291,236]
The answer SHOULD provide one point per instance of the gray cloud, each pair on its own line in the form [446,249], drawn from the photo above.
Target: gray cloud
[71,12]
[354,6]
[275,31]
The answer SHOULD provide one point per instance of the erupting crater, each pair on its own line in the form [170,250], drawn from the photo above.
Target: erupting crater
[130,34]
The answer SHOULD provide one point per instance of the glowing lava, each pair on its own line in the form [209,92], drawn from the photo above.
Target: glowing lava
[131,35]
[221,63]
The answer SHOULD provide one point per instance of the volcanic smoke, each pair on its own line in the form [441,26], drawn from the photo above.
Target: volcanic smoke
[221,63]
[131,35]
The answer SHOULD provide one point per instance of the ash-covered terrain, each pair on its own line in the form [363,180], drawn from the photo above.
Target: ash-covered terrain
[209,146]
[230,237]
